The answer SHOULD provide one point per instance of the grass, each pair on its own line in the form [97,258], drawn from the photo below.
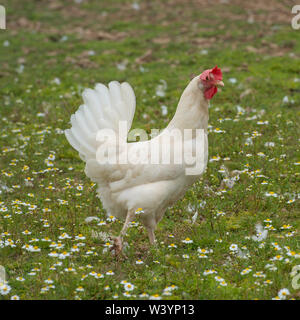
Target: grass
[49,53]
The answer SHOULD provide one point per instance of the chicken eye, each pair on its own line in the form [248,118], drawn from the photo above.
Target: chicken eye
[207,78]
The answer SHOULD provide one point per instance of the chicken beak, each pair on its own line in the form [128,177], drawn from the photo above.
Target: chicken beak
[219,83]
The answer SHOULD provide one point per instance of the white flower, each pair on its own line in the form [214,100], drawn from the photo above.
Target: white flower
[223,283]
[271,194]
[187,240]
[128,286]
[155,297]
[4,289]
[283,293]
[110,273]
[233,247]
[127,294]
[53,254]
[63,255]
[111,218]
[21,279]
[80,237]
[246,271]
[209,271]
[64,236]
[219,279]
[49,281]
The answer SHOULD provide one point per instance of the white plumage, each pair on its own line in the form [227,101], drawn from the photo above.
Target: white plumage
[123,188]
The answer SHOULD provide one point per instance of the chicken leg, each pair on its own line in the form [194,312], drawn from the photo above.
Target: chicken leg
[118,242]
[151,235]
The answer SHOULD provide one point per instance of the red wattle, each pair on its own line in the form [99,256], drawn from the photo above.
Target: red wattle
[210,92]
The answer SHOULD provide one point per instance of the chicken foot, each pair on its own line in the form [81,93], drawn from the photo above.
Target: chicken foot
[118,242]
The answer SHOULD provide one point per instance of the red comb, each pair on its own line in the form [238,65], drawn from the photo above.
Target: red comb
[211,89]
[217,73]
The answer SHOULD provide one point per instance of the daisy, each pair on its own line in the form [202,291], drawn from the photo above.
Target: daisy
[63,255]
[259,274]
[271,194]
[80,237]
[44,289]
[79,289]
[246,271]
[293,254]
[277,258]
[233,247]
[220,213]
[209,271]
[64,236]
[4,289]
[170,288]
[75,248]
[49,281]
[59,246]
[26,232]
[128,287]
[291,201]
[110,273]
[34,249]
[127,294]
[286,226]
[218,278]
[139,211]
[289,234]
[283,293]
[214,158]
[187,240]
[218,130]
[21,279]
[83,277]
[155,297]
[223,283]
[111,218]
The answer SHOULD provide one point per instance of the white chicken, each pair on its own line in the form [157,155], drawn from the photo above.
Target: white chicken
[147,181]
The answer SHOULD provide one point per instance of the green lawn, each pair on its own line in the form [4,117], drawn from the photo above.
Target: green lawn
[51,51]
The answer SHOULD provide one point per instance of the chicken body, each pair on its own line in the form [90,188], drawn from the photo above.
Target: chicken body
[123,188]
